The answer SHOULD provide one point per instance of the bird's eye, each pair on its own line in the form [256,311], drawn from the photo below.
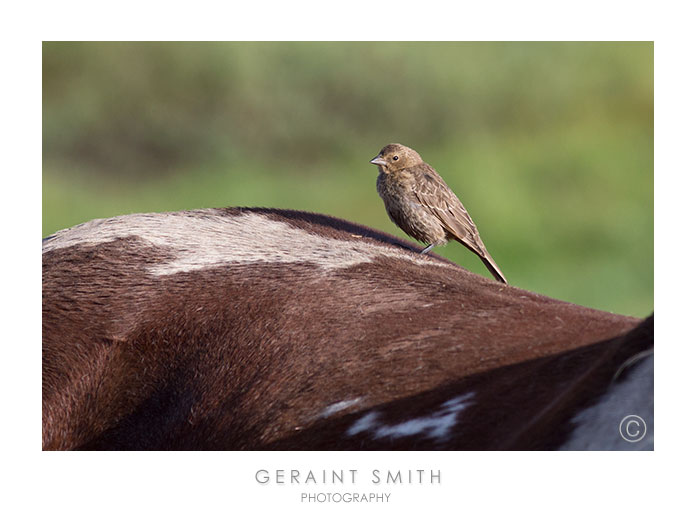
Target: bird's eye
[395,158]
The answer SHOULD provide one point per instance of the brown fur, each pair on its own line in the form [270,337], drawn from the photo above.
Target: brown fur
[249,355]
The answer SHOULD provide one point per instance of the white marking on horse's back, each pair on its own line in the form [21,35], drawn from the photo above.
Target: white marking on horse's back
[205,238]
[338,407]
[436,426]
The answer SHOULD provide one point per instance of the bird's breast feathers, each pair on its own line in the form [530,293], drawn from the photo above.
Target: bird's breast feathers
[398,183]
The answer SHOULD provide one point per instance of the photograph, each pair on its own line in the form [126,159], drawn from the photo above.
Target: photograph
[344,246]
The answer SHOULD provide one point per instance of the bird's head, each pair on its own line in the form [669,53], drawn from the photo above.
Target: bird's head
[395,157]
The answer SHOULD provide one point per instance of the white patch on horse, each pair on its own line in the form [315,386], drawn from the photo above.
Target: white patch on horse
[436,426]
[338,407]
[597,427]
[207,238]
[364,423]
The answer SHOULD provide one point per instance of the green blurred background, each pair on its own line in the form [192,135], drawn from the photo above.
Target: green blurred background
[548,145]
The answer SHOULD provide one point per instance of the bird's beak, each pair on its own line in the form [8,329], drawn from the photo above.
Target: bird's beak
[379,161]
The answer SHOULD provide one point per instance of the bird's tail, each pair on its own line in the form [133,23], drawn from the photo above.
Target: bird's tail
[492,267]
[479,248]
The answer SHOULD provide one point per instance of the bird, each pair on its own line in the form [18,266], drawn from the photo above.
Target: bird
[421,204]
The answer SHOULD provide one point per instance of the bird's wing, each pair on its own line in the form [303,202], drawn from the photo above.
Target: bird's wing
[433,193]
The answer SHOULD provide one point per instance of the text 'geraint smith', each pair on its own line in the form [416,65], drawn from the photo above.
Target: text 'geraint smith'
[348,476]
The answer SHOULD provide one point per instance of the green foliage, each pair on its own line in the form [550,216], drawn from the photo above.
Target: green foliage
[549,145]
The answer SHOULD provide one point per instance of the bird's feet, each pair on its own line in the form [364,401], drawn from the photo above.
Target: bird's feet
[428,249]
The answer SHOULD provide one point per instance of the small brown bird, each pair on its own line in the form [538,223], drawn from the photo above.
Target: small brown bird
[421,204]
